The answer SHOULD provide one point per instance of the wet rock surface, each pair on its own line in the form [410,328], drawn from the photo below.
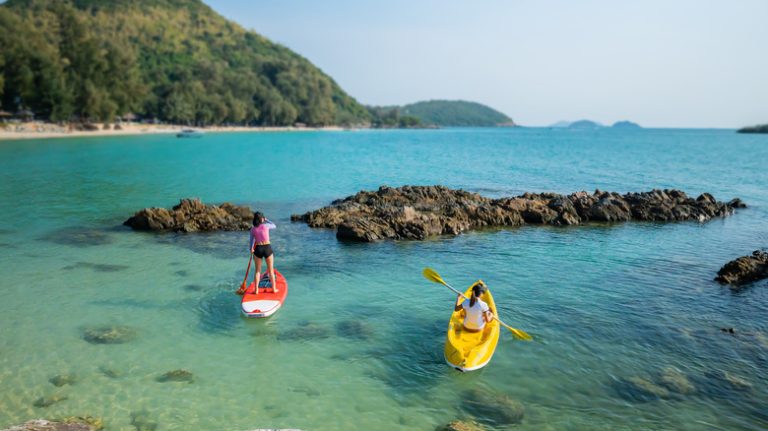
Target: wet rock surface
[418,212]
[191,215]
[745,269]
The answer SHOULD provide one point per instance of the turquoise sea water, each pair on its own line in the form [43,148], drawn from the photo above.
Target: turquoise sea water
[359,342]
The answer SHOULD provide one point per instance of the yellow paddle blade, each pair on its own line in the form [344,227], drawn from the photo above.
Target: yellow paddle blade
[432,275]
[521,334]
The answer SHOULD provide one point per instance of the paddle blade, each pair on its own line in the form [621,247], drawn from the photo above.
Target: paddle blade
[432,275]
[522,335]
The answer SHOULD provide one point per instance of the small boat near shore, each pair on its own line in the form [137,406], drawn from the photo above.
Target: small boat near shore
[190,133]
[469,351]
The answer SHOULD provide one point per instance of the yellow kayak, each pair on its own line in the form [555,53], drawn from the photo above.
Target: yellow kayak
[468,351]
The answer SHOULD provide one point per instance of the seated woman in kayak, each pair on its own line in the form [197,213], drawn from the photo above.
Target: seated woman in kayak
[476,311]
[262,249]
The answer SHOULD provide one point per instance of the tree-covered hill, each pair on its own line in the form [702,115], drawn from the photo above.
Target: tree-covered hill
[175,60]
[456,113]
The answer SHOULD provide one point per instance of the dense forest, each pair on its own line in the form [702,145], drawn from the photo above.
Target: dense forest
[171,60]
[456,113]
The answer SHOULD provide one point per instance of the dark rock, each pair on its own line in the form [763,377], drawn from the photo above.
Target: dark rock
[736,203]
[63,379]
[191,215]
[49,400]
[459,425]
[744,269]
[109,334]
[492,407]
[418,212]
[177,376]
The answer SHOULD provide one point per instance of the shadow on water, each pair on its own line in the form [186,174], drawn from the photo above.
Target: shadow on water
[77,236]
[218,312]
[97,267]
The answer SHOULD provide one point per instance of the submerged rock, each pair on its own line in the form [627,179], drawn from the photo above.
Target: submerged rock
[674,380]
[94,422]
[142,422]
[306,331]
[109,335]
[191,215]
[745,269]
[49,400]
[641,389]
[78,237]
[356,329]
[68,424]
[177,376]
[418,212]
[112,373]
[492,407]
[459,425]
[63,379]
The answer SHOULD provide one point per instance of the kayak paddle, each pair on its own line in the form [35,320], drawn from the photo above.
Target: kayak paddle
[432,275]
[243,286]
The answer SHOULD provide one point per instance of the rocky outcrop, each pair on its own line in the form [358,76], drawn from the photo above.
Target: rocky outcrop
[745,269]
[191,215]
[418,212]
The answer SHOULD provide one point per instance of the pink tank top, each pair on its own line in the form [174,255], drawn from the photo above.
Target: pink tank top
[260,233]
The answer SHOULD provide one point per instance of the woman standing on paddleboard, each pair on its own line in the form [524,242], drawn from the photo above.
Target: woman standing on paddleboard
[262,249]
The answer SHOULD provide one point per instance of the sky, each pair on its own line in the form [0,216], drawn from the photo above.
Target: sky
[661,63]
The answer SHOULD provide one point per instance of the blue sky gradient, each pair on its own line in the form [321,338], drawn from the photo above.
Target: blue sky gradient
[662,63]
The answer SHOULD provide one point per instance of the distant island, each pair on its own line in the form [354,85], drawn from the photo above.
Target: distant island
[439,113]
[593,125]
[762,128]
[626,125]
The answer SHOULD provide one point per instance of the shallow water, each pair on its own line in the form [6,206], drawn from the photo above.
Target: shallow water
[359,343]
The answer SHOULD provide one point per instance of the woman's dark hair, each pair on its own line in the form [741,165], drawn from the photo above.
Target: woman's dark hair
[477,291]
[257,216]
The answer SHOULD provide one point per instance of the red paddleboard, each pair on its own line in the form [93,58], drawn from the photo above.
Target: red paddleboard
[265,302]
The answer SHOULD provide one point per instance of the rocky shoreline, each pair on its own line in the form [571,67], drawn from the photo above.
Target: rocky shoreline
[744,269]
[191,215]
[419,212]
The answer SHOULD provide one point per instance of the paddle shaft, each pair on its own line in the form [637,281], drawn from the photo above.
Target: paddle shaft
[250,259]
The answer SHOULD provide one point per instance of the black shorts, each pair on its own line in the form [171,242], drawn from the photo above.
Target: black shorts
[262,251]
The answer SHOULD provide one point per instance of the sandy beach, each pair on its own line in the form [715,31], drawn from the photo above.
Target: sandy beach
[42,130]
